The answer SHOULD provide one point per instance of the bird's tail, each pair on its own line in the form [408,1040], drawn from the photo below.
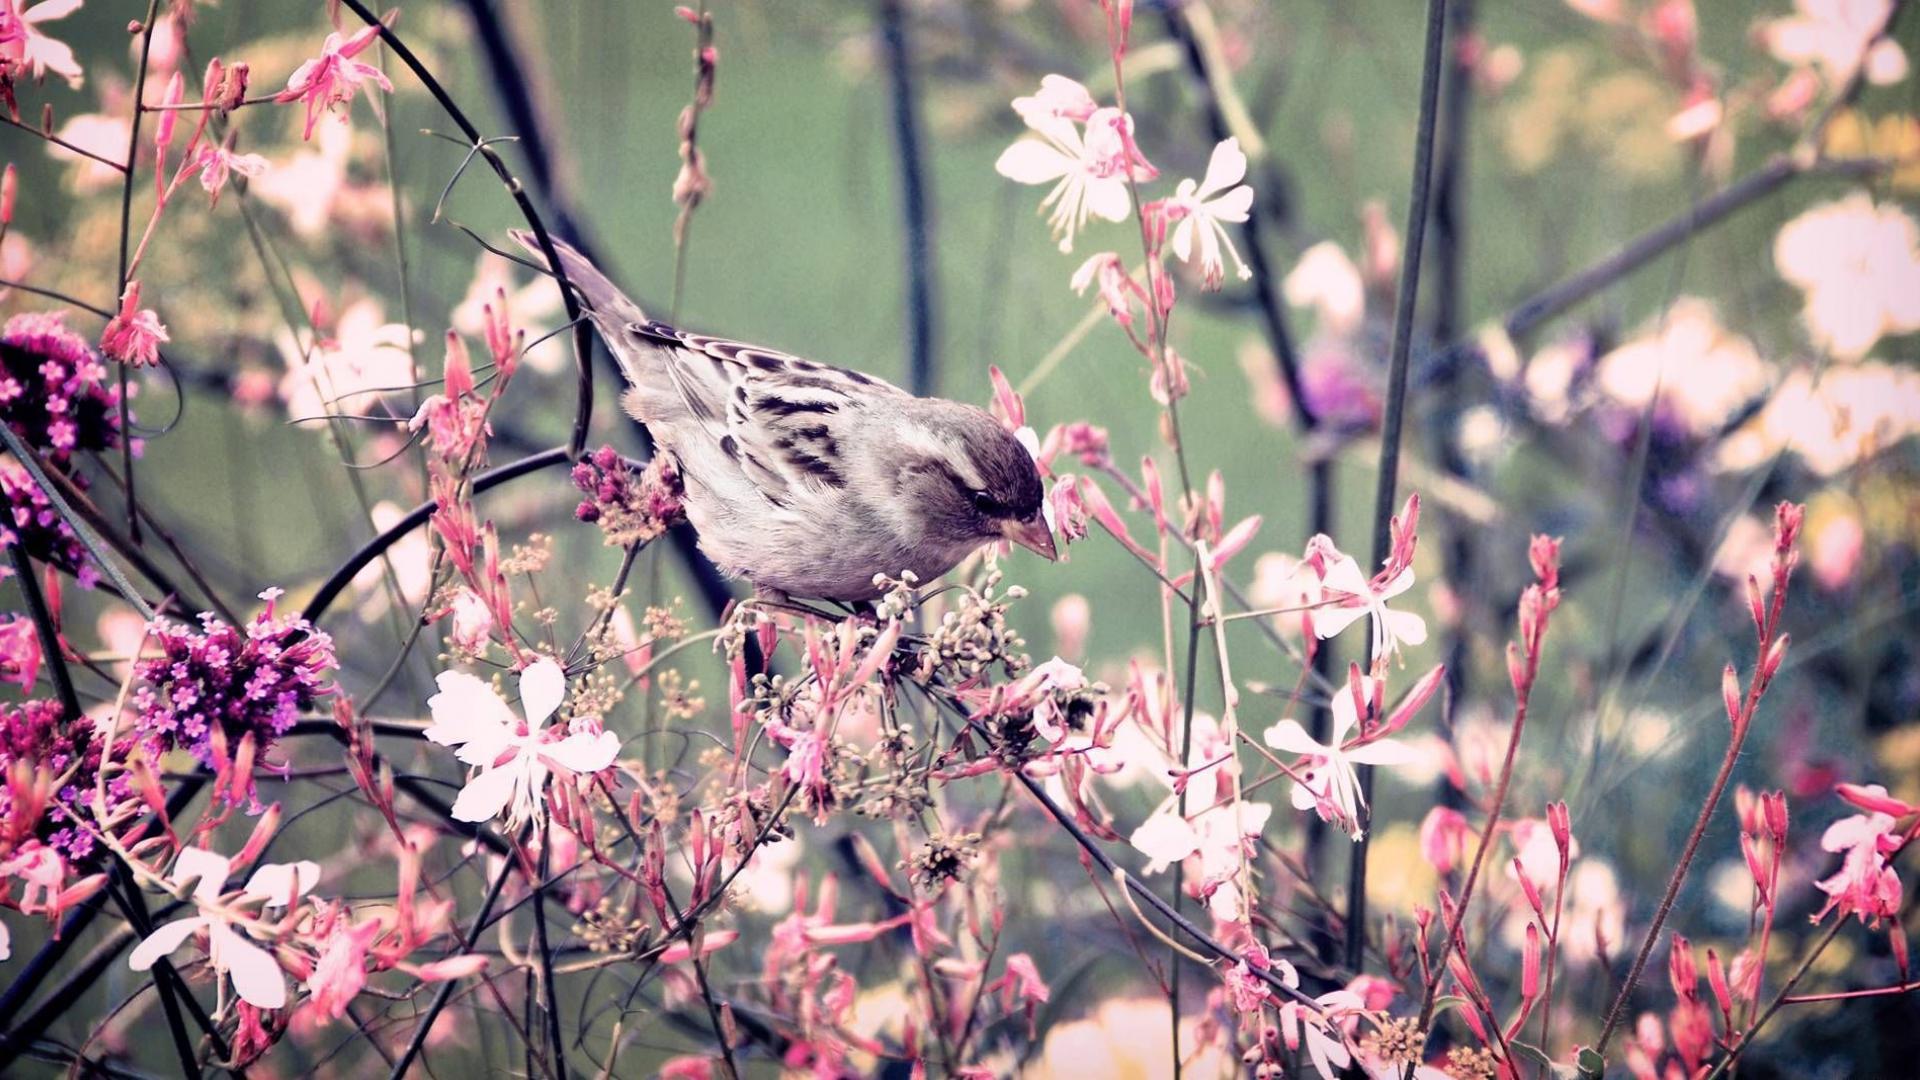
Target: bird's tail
[610,309]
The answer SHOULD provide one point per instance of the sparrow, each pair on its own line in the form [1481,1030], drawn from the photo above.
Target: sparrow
[809,480]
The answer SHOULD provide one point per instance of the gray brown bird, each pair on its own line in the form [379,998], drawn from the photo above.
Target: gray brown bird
[808,479]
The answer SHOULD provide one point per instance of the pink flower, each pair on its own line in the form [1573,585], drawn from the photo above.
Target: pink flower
[515,756]
[25,50]
[1201,209]
[1245,988]
[1865,885]
[1326,280]
[340,972]
[472,625]
[1117,288]
[134,335]
[334,77]
[19,652]
[218,162]
[1443,839]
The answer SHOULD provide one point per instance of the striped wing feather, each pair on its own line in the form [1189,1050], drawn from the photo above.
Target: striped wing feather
[773,413]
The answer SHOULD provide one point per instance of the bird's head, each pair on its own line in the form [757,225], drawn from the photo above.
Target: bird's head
[972,480]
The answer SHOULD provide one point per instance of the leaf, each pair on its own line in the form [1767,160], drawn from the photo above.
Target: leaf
[1531,1053]
[1448,1001]
[1591,1065]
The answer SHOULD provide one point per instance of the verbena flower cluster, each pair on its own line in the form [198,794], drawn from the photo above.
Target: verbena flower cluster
[55,395]
[210,688]
[53,765]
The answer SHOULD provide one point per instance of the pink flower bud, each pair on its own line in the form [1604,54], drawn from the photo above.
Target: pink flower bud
[1560,821]
[1746,806]
[1774,807]
[1528,887]
[1770,664]
[1730,696]
[1544,555]
[1757,866]
[9,186]
[1897,938]
[1874,799]
[1530,964]
[1680,968]
[1717,979]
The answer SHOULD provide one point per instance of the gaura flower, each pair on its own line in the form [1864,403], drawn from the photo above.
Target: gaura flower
[32,52]
[364,356]
[515,756]
[1360,596]
[1864,886]
[1203,207]
[334,77]
[1330,786]
[1088,168]
[255,974]
[217,163]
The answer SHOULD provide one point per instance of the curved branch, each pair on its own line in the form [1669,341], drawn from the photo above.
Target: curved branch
[582,335]
[330,590]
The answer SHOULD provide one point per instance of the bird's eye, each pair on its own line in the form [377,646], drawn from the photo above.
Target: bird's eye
[986,504]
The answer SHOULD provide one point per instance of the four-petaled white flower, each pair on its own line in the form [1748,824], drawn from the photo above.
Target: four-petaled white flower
[1088,168]
[1218,198]
[255,973]
[1343,581]
[1331,786]
[515,756]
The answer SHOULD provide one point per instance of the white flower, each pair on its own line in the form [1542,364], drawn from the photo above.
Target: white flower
[1326,280]
[1835,36]
[365,359]
[1214,200]
[1324,1045]
[1332,788]
[1859,266]
[1088,169]
[1363,597]
[255,974]
[515,756]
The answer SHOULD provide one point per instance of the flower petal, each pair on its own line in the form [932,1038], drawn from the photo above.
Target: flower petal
[486,794]
[1383,752]
[255,974]
[583,753]
[1289,737]
[1032,161]
[282,883]
[1227,167]
[543,687]
[210,868]
[466,708]
[163,941]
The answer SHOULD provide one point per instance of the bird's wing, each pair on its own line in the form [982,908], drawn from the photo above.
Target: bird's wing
[780,417]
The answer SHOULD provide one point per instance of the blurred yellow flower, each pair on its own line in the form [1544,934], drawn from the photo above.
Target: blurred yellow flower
[1125,1039]
[1894,137]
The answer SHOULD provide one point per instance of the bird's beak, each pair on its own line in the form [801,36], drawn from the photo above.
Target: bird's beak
[1032,535]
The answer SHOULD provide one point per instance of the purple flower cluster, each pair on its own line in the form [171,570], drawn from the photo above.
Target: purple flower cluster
[35,737]
[29,518]
[254,681]
[629,507]
[54,391]
[55,395]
